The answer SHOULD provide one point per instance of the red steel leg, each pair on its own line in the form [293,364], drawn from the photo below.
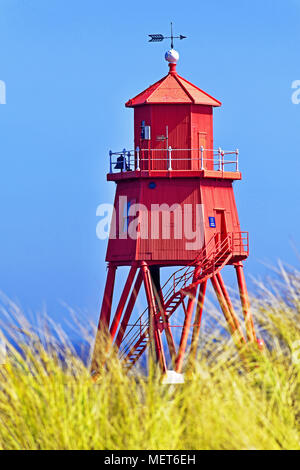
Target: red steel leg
[225,309]
[154,333]
[129,309]
[245,302]
[230,306]
[122,302]
[198,317]
[186,328]
[162,310]
[105,312]
[107,298]
[167,329]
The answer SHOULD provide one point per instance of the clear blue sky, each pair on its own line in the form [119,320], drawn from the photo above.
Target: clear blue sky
[69,66]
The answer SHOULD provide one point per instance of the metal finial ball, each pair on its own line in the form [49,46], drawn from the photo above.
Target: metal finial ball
[172,56]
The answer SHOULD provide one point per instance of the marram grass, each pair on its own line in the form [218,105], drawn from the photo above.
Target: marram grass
[47,402]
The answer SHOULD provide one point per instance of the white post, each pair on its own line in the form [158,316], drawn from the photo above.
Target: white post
[202,162]
[220,157]
[129,160]
[124,159]
[167,136]
[170,158]
[110,161]
[138,158]
[237,159]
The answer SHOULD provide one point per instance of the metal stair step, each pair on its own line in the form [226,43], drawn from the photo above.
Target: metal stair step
[211,260]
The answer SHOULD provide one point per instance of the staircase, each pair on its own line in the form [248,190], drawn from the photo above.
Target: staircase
[211,259]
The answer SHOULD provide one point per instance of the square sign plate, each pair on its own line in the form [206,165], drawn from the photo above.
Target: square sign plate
[212,222]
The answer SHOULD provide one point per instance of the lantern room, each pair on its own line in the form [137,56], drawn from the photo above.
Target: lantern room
[173,113]
[173,131]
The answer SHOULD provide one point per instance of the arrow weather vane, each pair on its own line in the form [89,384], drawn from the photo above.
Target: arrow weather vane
[160,37]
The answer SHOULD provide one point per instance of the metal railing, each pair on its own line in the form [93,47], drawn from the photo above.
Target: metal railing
[240,243]
[210,258]
[170,159]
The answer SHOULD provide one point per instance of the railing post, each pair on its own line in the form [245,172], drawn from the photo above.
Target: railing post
[220,157]
[110,161]
[129,160]
[138,158]
[170,158]
[124,159]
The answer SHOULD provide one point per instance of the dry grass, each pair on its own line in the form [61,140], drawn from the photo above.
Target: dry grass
[48,401]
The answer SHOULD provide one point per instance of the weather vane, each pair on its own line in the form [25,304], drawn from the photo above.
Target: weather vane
[160,37]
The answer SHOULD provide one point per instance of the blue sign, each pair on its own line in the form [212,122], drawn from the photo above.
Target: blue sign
[212,222]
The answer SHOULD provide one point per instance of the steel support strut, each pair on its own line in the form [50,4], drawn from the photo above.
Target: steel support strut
[129,308]
[197,320]
[186,326]
[156,348]
[122,302]
[104,319]
[230,306]
[155,275]
[236,332]
[245,302]
[167,328]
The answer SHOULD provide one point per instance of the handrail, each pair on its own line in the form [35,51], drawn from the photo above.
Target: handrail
[176,281]
[174,284]
[140,159]
[208,258]
[171,292]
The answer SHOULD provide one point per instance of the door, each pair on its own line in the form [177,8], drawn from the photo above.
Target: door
[199,140]
[221,226]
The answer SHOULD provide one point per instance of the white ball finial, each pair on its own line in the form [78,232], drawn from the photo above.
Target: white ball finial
[172,56]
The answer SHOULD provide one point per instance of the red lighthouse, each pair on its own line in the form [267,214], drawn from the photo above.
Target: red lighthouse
[174,207]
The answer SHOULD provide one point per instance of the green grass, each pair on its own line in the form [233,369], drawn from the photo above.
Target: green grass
[225,402]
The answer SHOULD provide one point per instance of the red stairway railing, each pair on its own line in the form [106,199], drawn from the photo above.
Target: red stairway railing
[211,259]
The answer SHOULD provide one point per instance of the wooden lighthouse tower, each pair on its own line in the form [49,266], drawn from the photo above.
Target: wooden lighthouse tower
[174,207]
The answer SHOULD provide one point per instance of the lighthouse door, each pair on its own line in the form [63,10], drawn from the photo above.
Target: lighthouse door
[221,225]
[199,140]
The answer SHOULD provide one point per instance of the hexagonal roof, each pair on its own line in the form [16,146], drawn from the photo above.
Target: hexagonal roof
[173,89]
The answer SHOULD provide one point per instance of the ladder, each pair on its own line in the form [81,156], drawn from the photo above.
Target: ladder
[210,260]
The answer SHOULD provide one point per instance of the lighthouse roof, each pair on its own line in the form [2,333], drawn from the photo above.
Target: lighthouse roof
[173,89]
